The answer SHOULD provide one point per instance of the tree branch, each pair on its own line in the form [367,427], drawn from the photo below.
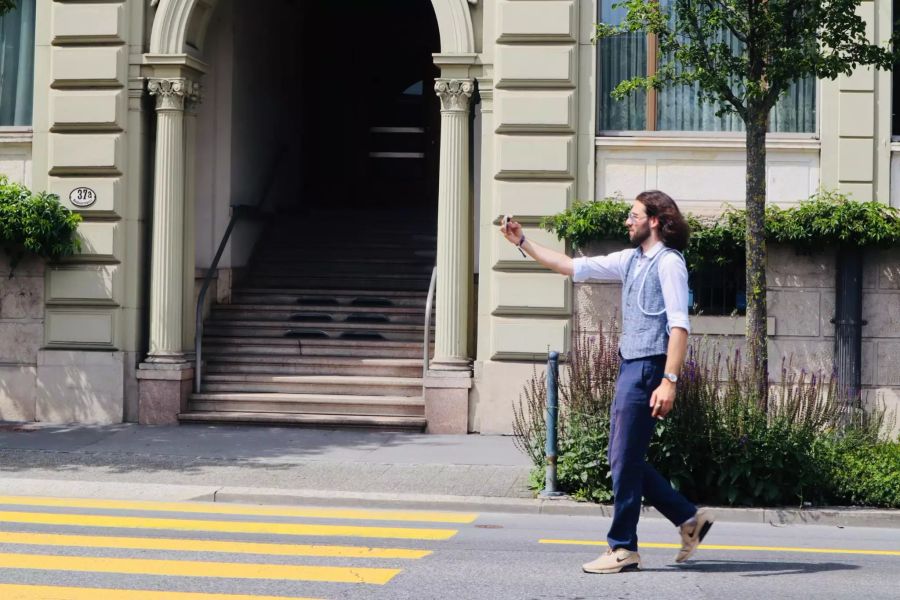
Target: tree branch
[722,86]
[741,37]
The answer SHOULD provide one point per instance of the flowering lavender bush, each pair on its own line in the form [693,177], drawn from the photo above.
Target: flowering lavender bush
[717,446]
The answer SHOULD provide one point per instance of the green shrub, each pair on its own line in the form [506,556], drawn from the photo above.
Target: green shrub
[862,471]
[717,446]
[35,224]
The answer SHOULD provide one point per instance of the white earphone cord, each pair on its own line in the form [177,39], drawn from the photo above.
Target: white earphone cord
[644,280]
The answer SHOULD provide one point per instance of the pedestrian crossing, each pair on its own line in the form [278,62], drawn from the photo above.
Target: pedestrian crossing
[182,551]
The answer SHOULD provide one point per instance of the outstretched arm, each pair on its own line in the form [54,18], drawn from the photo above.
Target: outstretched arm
[556,261]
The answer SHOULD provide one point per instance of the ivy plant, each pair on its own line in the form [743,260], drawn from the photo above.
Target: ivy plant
[826,219]
[35,224]
[586,222]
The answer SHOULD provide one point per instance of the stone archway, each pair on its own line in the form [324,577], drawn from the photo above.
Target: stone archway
[173,68]
[180,26]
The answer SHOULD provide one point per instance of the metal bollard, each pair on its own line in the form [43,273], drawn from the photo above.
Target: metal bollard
[552,415]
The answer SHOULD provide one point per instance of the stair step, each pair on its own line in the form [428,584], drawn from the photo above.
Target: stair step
[337,312]
[281,364]
[346,301]
[214,347]
[313,384]
[388,423]
[372,281]
[324,323]
[409,406]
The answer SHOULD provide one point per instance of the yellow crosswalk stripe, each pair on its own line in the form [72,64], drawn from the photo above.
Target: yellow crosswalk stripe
[77,520]
[738,548]
[41,592]
[189,545]
[192,568]
[234,509]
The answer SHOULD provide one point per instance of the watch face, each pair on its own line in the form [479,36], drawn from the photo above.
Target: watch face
[671,377]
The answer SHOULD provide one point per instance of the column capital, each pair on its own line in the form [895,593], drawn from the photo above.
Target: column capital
[172,92]
[454,93]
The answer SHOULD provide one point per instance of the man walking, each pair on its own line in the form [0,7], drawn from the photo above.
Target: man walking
[653,345]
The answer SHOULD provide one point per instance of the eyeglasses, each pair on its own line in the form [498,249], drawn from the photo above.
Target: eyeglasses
[634,218]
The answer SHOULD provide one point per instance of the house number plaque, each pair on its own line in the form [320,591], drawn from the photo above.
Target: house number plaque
[82,197]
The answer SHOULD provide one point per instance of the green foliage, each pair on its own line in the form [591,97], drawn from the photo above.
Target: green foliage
[825,219]
[830,219]
[862,470]
[6,6]
[589,221]
[35,224]
[718,446]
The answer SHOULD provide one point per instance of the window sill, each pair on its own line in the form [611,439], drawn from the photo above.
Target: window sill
[724,325]
[16,135]
[895,145]
[695,141]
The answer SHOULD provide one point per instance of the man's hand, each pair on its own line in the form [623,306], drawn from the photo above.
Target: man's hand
[663,399]
[512,232]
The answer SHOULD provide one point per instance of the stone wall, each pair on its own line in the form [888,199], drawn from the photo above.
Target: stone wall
[801,305]
[21,336]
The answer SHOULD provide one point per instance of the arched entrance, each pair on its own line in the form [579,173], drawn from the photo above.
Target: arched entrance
[176,66]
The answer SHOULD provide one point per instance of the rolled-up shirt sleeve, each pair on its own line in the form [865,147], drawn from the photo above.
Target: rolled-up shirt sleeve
[610,267]
[673,277]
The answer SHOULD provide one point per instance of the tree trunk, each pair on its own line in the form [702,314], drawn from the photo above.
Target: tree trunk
[757,343]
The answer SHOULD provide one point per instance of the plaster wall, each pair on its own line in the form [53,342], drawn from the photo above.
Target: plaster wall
[704,173]
[248,119]
[15,154]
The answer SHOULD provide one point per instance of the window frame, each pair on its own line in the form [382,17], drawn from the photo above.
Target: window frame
[651,107]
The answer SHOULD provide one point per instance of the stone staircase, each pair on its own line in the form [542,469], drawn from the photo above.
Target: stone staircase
[326,330]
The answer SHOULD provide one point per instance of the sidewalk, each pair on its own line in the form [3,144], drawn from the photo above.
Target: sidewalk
[280,465]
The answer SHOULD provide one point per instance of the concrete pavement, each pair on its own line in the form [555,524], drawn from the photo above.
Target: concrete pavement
[278,465]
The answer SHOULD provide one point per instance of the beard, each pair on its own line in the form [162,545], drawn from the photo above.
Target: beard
[640,235]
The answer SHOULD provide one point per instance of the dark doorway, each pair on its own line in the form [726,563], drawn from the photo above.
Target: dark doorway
[370,119]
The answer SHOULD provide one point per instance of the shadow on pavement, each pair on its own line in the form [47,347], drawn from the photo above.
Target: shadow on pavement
[759,568]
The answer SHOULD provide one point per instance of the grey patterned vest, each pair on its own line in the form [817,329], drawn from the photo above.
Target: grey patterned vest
[644,317]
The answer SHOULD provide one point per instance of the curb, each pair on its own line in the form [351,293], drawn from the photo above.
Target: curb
[826,516]
[777,517]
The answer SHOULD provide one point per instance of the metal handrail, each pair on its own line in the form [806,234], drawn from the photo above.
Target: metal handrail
[428,305]
[237,211]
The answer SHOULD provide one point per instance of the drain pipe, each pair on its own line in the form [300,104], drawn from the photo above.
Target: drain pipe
[848,322]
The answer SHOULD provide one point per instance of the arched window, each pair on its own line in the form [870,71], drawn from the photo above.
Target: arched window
[17,64]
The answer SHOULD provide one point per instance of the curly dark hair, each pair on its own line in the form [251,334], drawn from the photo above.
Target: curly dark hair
[673,229]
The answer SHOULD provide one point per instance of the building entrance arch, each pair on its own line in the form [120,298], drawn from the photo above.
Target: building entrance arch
[174,68]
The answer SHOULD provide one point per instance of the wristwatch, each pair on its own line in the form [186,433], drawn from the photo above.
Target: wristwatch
[671,377]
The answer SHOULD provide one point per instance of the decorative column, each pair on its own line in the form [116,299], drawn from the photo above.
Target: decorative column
[165,377]
[166,278]
[449,378]
[453,251]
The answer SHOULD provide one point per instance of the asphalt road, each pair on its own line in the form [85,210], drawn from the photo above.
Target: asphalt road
[67,549]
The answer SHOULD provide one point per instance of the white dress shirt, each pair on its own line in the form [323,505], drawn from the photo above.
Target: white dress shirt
[673,278]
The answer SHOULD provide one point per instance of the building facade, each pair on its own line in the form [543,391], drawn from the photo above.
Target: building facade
[358,123]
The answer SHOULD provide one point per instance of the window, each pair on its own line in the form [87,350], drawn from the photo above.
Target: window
[17,64]
[677,108]
[716,291]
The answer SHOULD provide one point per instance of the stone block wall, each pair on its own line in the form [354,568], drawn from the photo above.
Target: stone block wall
[21,336]
[801,305]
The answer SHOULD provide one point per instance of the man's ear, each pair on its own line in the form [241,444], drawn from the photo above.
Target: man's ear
[654,223]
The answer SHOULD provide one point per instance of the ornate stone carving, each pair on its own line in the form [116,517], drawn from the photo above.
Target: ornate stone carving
[171,94]
[454,93]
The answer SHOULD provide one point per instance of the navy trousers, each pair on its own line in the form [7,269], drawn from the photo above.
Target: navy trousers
[630,429]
